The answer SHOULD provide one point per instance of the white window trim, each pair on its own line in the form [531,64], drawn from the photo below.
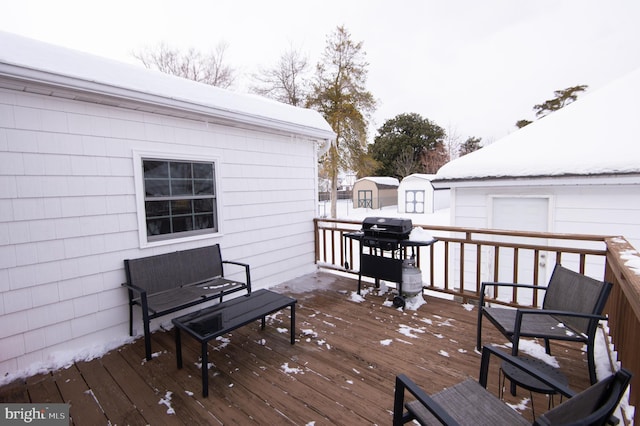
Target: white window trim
[138,176]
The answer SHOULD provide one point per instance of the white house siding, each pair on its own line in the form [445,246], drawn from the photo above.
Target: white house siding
[68,214]
[606,207]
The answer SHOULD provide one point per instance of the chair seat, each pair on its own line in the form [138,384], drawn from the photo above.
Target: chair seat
[469,404]
[532,325]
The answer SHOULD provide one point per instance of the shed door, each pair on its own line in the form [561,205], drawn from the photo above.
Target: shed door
[365,198]
[522,214]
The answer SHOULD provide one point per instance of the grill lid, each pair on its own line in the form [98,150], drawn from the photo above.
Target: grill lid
[386,227]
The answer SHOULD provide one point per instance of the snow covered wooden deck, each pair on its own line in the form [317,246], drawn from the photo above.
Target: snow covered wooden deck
[340,371]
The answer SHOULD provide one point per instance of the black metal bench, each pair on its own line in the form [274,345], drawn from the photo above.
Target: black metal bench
[166,283]
[214,321]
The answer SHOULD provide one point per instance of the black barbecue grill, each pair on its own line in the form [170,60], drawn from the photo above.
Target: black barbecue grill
[386,240]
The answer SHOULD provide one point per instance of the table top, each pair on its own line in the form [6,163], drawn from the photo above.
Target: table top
[526,381]
[219,319]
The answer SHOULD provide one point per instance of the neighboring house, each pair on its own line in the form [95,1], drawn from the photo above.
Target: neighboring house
[102,161]
[375,192]
[576,170]
[416,195]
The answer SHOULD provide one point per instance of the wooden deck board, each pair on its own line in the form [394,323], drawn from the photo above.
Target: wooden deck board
[342,367]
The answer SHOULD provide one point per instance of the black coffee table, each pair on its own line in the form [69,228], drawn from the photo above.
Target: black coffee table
[207,324]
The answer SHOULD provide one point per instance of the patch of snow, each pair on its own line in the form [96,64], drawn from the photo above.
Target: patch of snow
[408,331]
[61,360]
[521,406]
[420,234]
[386,342]
[443,353]
[355,297]
[413,303]
[167,401]
[536,350]
[468,306]
[287,370]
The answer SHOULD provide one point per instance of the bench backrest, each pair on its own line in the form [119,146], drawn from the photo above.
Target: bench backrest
[170,270]
[575,292]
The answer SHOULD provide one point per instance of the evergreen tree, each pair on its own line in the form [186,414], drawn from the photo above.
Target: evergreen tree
[339,94]
[471,144]
[409,144]
[562,98]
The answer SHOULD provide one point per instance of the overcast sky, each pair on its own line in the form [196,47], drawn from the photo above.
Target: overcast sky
[474,67]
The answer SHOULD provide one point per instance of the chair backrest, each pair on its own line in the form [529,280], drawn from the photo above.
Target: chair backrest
[593,406]
[575,292]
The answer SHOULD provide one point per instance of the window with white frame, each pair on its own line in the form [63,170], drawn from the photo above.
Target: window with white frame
[179,198]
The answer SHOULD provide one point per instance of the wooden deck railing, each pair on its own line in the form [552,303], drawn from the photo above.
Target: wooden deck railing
[462,258]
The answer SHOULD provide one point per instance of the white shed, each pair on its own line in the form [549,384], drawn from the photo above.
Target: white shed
[79,135]
[574,171]
[417,195]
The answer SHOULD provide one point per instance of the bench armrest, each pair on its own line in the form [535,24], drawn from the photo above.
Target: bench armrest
[246,272]
[133,288]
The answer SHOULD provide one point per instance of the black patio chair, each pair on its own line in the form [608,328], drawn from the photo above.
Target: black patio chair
[571,309]
[470,403]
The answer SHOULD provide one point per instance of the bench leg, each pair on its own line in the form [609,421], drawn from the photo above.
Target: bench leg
[178,347]
[293,323]
[263,322]
[205,370]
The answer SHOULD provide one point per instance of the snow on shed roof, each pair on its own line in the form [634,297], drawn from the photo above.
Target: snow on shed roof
[419,176]
[599,134]
[381,180]
[23,59]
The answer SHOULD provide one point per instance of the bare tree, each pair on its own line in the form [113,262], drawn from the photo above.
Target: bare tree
[208,68]
[286,81]
[405,163]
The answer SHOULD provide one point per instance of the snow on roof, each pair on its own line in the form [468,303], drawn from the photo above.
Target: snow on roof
[419,176]
[596,135]
[24,59]
[381,180]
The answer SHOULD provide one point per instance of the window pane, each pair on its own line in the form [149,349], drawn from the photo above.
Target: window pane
[155,169]
[182,223]
[181,187]
[203,206]
[203,221]
[156,208]
[156,187]
[203,171]
[181,207]
[203,187]
[180,170]
[158,226]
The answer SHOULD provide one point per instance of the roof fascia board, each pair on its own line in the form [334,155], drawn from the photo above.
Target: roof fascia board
[609,179]
[59,82]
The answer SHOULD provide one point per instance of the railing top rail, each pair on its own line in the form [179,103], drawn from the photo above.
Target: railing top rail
[501,232]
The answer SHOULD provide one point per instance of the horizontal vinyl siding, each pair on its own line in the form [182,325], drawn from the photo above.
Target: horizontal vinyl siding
[68,215]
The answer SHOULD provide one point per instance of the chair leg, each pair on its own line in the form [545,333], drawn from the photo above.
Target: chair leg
[479,331]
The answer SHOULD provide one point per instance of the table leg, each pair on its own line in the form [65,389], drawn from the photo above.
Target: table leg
[263,322]
[178,347]
[293,323]
[205,370]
